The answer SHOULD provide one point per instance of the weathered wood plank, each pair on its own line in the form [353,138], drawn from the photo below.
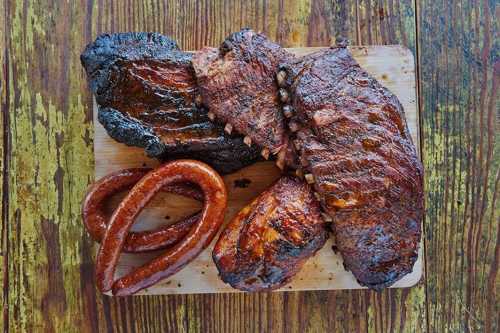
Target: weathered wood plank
[51,285]
[3,193]
[459,87]
[49,163]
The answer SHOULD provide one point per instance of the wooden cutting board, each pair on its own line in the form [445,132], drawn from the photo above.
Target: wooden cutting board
[393,66]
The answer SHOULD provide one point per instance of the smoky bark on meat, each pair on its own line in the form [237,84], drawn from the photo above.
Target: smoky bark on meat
[322,114]
[146,91]
[269,240]
[220,153]
[237,82]
[355,147]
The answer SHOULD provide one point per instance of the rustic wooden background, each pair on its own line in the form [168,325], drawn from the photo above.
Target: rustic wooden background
[47,163]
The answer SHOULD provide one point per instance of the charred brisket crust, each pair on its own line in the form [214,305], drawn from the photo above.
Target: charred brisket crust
[130,131]
[111,52]
[144,112]
[221,155]
[107,49]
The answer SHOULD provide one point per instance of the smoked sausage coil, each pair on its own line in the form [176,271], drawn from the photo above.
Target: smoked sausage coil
[175,258]
[95,219]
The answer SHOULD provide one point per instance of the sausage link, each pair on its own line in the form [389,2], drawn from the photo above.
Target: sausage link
[95,219]
[176,257]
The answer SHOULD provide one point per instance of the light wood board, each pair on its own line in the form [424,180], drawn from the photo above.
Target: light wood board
[393,66]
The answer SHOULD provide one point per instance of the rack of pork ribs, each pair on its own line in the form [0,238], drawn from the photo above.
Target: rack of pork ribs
[349,165]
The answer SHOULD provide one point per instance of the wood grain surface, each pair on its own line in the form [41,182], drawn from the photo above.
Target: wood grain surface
[393,66]
[460,69]
[47,163]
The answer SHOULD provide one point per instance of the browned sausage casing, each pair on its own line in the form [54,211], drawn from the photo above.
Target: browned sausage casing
[95,219]
[176,257]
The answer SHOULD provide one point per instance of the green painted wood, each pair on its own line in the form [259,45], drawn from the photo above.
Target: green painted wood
[47,259]
[459,67]
[50,280]
[3,144]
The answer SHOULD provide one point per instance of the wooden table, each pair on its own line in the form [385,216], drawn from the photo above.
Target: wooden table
[47,258]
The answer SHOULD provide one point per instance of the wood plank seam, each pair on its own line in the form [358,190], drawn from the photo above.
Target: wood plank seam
[422,147]
[5,239]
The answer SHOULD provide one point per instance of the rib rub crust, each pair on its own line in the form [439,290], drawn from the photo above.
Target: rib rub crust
[237,82]
[354,144]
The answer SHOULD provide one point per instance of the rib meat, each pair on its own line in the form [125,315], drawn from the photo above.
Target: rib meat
[267,243]
[354,144]
[237,82]
[146,91]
